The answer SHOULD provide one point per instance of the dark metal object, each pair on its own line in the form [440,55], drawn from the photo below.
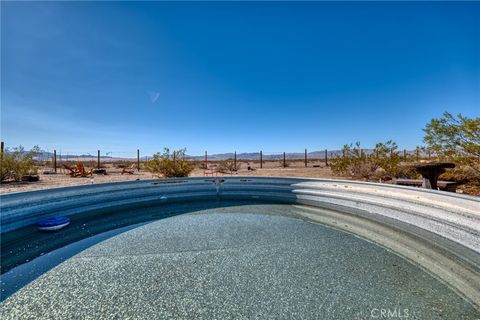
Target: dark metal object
[100,171]
[450,186]
[55,160]
[431,171]
[1,156]
[30,178]
[138,159]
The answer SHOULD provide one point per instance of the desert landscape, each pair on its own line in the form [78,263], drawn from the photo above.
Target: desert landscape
[49,179]
[239,160]
[120,170]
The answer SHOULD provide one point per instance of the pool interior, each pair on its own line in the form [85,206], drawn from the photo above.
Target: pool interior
[24,245]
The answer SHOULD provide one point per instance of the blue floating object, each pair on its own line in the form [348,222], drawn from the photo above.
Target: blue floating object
[53,223]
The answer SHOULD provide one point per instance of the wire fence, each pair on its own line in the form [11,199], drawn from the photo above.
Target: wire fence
[302,158]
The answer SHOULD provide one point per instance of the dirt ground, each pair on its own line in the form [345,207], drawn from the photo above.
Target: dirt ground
[270,168]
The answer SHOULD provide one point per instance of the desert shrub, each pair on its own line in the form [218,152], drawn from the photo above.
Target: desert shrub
[92,163]
[201,165]
[17,163]
[406,171]
[341,165]
[457,139]
[170,165]
[353,163]
[123,164]
[385,156]
[286,164]
[462,174]
[228,166]
[359,164]
[363,169]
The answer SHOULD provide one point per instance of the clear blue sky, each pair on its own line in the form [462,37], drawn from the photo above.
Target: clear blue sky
[233,76]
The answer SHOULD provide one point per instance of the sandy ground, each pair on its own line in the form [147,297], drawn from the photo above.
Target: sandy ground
[270,168]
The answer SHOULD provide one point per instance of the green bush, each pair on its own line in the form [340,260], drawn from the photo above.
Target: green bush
[385,156]
[358,164]
[462,174]
[406,171]
[228,166]
[201,165]
[170,165]
[18,163]
[456,139]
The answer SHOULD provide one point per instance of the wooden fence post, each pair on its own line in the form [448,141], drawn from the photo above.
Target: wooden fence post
[306,158]
[284,161]
[235,160]
[206,160]
[261,159]
[55,160]
[98,159]
[326,158]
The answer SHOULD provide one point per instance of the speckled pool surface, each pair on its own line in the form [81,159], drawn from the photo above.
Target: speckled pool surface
[244,262]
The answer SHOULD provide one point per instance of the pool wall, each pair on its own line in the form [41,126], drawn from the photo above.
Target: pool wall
[440,231]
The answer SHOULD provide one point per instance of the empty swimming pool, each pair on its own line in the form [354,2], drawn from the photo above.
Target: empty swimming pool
[242,248]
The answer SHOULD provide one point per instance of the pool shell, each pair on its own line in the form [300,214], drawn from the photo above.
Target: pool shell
[438,231]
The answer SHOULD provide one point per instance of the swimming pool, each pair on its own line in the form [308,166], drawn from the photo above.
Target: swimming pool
[238,247]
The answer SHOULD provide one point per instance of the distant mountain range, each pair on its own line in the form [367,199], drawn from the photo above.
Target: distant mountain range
[219,156]
[215,157]
[269,156]
[288,155]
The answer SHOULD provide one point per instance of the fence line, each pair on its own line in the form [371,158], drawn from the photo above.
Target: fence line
[261,156]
